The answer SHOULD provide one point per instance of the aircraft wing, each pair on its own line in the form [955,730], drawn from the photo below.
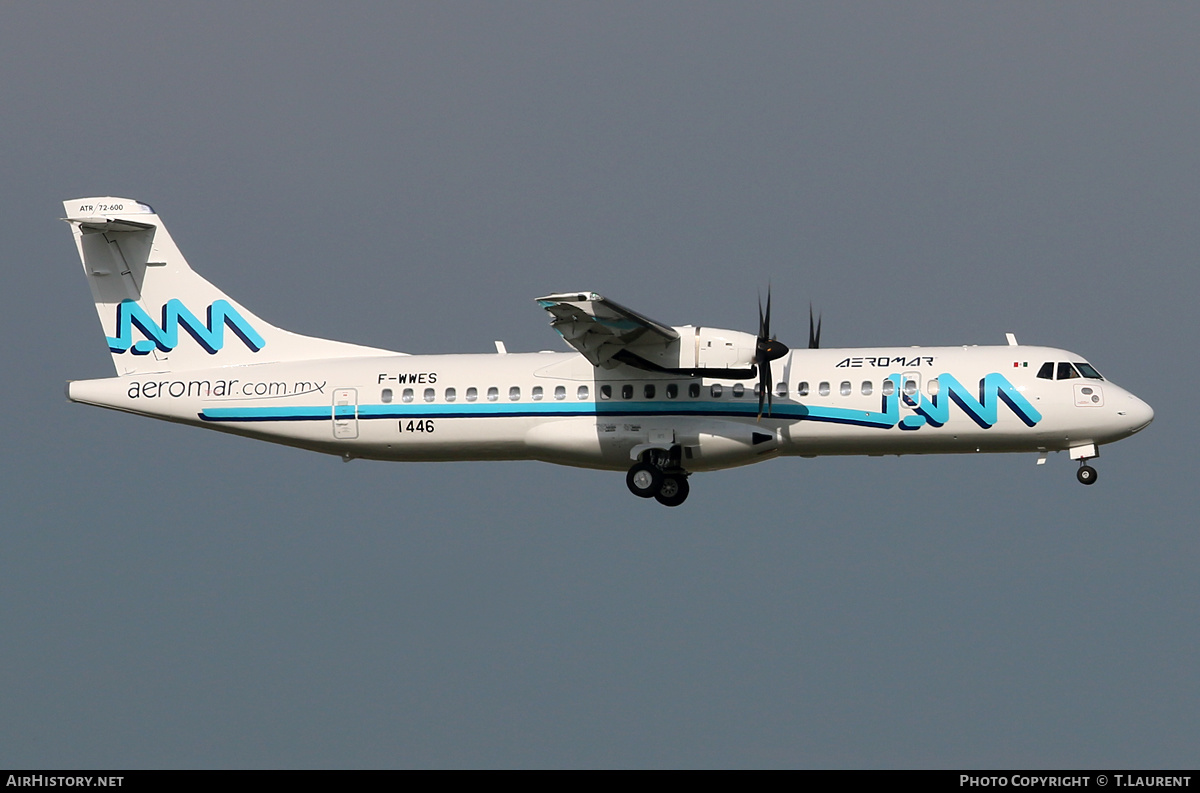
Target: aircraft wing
[600,328]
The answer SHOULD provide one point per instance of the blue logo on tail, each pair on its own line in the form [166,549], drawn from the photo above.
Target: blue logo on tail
[209,334]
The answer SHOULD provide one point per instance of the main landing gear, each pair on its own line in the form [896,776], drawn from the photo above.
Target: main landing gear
[655,477]
[1086,474]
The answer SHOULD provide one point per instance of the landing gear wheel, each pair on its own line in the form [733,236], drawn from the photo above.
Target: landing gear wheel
[644,480]
[673,491]
[1086,475]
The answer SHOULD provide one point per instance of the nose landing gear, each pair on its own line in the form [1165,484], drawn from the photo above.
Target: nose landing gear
[659,476]
[1084,452]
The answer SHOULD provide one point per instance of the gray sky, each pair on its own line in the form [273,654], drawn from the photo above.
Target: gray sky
[411,176]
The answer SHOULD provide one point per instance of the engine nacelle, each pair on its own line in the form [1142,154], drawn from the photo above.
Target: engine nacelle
[702,348]
[718,348]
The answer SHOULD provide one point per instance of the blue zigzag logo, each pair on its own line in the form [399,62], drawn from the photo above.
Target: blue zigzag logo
[209,334]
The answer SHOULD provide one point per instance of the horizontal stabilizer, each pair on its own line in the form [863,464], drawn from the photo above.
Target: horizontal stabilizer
[106,225]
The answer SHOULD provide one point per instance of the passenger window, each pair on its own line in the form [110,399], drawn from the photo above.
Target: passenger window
[739,390]
[536,394]
[1066,371]
[1047,371]
[694,390]
[910,386]
[648,391]
[1088,371]
[514,393]
[451,395]
[582,393]
[472,394]
[406,395]
[606,392]
[429,395]
[672,390]
[386,396]
[845,388]
[823,389]
[933,385]
[560,392]
[781,389]
[802,389]
[866,388]
[493,393]
[715,390]
[757,389]
[889,387]
[627,391]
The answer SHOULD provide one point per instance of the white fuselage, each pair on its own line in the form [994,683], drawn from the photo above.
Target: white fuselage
[558,408]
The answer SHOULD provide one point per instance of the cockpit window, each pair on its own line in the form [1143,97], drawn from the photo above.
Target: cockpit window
[1066,371]
[1087,370]
[1047,371]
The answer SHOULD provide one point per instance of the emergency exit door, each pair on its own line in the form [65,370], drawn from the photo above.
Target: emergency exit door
[345,413]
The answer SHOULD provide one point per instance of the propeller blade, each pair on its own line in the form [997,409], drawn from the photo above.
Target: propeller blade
[764,387]
[766,349]
[766,331]
[814,331]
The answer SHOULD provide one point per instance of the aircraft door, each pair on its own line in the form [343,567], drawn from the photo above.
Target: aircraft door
[345,414]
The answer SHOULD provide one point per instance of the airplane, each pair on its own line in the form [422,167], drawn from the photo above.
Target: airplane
[658,402]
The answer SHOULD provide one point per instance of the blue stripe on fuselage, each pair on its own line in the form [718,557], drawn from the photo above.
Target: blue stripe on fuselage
[993,389]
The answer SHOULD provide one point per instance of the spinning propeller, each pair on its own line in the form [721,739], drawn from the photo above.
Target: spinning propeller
[768,348]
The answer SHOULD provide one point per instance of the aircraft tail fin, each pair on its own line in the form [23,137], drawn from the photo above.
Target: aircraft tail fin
[145,294]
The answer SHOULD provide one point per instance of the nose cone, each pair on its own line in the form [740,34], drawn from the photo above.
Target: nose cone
[1138,414]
